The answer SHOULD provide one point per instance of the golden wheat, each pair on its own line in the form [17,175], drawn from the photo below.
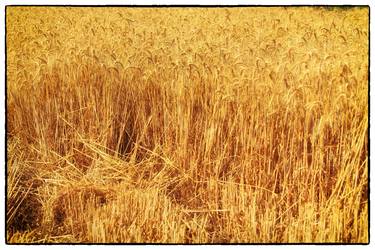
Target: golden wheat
[187,125]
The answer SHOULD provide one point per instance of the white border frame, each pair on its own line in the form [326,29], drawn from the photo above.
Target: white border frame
[178,2]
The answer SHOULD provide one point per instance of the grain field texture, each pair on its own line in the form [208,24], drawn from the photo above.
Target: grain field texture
[187,125]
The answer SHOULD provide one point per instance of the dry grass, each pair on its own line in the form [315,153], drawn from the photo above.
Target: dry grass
[187,125]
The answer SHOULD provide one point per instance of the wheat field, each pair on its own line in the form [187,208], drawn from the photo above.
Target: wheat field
[187,125]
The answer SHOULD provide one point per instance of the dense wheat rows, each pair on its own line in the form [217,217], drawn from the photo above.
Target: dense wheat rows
[188,125]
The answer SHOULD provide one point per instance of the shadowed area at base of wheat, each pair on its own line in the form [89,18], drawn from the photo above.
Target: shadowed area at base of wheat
[187,125]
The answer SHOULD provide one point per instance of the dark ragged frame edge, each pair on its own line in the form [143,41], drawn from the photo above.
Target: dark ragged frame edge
[190,6]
